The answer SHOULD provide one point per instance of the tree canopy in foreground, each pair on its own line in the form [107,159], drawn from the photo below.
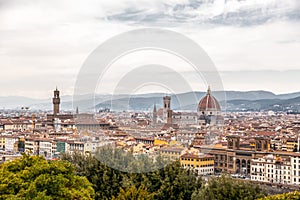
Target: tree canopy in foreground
[225,187]
[286,196]
[33,177]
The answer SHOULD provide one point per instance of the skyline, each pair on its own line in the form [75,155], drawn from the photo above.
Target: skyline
[50,46]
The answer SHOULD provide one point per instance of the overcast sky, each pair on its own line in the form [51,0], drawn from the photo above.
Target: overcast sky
[254,44]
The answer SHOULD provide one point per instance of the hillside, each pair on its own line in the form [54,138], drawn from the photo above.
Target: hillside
[229,100]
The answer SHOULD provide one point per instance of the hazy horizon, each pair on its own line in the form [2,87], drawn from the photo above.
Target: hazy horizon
[62,94]
[254,45]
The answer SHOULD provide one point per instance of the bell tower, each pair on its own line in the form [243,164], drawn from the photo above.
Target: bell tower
[167,112]
[167,102]
[154,119]
[56,102]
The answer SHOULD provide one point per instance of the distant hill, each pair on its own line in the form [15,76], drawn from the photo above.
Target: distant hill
[231,100]
[292,104]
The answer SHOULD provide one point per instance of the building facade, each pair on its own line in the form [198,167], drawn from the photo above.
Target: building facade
[202,164]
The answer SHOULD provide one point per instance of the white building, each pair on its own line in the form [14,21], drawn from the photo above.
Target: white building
[10,143]
[295,169]
[75,146]
[32,145]
[45,148]
[92,146]
[271,169]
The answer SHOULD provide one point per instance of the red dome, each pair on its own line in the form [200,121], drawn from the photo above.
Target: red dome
[209,103]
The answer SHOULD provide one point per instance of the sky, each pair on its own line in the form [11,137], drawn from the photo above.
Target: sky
[254,44]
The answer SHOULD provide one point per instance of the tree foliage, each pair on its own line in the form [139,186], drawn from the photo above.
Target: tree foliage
[79,176]
[286,196]
[33,177]
[132,193]
[225,187]
[169,182]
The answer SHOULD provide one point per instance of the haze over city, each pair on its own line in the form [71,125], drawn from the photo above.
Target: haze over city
[254,44]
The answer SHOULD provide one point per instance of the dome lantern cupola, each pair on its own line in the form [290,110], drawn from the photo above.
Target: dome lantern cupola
[209,104]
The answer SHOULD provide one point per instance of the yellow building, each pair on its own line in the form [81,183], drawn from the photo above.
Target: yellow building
[160,142]
[203,164]
[291,144]
[172,153]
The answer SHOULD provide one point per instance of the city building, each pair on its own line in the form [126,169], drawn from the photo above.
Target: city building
[234,158]
[202,164]
[172,153]
[295,168]
[271,169]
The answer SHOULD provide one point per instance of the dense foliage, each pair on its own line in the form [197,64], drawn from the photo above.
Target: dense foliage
[79,176]
[170,182]
[33,177]
[224,187]
[287,196]
[127,162]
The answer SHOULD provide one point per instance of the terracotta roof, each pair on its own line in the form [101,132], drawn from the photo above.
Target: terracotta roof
[209,103]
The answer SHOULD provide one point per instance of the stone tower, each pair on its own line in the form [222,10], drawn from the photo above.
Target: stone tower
[167,112]
[167,102]
[154,119]
[56,102]
[233,142]
[262,144]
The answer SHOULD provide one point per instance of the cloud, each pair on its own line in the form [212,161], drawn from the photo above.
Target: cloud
[44,43]
[217,12]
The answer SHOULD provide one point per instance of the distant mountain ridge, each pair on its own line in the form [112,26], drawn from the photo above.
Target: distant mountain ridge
[231,100]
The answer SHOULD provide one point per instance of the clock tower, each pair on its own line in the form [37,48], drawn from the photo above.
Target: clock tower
[56,102]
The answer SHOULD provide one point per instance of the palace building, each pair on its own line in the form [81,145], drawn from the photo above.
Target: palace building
[56,109]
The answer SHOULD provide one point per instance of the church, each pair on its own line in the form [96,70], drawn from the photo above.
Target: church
[208,113]
[209,110]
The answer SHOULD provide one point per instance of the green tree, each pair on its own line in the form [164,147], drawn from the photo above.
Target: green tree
[33,177]
[169,182]
[224,187]
[177,183]
[286,196]
[105,180]
[132,193]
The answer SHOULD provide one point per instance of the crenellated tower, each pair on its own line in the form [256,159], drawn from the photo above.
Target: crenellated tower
[56,102]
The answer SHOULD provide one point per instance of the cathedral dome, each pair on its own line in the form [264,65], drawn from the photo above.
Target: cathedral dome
[208,103]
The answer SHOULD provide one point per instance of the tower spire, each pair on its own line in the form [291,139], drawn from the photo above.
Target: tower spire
[154,108]
[154,120]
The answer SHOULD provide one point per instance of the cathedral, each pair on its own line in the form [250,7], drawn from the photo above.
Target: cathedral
[208,112]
